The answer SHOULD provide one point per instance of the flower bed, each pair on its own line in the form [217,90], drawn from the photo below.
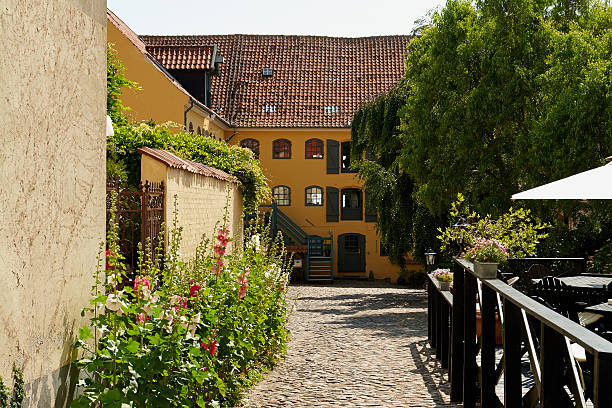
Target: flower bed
[194,333]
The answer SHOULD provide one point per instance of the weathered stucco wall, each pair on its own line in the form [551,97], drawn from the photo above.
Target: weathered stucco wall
[52,172]
[201,203]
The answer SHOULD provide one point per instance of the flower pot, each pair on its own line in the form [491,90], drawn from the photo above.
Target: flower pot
[485,270]
[444,285]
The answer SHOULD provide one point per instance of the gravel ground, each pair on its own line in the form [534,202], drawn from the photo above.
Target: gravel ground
[355,344]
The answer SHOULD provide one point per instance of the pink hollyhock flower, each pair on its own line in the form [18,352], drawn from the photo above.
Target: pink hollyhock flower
[242,291]
[219,250]
[194,290]
[184,305]
[141,318]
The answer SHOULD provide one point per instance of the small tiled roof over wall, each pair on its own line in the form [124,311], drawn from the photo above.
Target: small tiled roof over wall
[314,82]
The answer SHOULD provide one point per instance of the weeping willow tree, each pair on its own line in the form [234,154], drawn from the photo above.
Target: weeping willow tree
[404,226]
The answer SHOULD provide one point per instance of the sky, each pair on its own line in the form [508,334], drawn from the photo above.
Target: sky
[341,18]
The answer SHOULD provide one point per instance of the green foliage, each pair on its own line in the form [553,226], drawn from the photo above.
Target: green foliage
[115,82]
[193,334]
[497,97]
[374,151]
[516,229]
[602,260]
[240,163]
[14,399]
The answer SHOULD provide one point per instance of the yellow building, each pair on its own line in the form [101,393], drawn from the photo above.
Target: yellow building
[291,100]
[161,97]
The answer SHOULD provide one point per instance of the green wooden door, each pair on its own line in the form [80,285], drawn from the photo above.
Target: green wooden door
[351,253]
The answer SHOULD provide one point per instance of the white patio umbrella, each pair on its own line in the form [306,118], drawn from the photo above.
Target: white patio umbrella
[595,184]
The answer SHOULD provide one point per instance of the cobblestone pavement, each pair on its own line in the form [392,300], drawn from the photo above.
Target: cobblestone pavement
[355,344]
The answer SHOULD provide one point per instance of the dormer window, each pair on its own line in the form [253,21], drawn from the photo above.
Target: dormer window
[267,72]
[269,108]
[330,109]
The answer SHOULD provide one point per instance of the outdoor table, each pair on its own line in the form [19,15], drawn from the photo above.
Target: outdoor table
[584,281]
[602,309]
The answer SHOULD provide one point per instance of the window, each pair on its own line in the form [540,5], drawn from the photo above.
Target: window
[251,144]
[345,151]
[314,149]
[267,72]
[351,204]
[351,243]
[269,108]
[282,195]
[199,131]
[190,127]
[281,149]
[330,109]
[314,195]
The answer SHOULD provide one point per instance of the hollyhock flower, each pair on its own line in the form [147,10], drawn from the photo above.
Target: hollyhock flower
[141,318]
[211,346]
[219,250]
[148,309]
[113,302]
[194,290]
[242,291]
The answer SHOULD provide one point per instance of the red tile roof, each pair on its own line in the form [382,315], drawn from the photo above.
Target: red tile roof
[172,160]
[134,39]
[317,81]
[186,57]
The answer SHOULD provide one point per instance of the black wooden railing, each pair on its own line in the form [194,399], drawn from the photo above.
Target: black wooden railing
[528,329]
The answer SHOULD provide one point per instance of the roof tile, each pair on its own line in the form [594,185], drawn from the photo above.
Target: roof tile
[172,160]
[310,72]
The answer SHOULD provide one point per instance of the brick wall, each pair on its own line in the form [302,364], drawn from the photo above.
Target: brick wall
[201,203]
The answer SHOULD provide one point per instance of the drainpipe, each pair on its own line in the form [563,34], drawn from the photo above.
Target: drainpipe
[185,116]
[232,136]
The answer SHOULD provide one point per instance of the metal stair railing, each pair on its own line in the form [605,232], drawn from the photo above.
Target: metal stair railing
[280,220]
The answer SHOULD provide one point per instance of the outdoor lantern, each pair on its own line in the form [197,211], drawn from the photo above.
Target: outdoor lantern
[430,257]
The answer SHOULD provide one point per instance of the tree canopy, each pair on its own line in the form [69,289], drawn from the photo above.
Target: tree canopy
[498,96]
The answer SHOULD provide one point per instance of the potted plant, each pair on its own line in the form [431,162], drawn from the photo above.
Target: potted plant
[486,254]
[444,278]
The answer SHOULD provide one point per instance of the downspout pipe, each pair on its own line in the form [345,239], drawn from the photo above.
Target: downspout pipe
[232,136]
[185,115]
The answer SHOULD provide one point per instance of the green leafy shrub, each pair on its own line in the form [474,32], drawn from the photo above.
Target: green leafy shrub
[602,260]
[14,399]
[516,230]
[194,333]
[239,162]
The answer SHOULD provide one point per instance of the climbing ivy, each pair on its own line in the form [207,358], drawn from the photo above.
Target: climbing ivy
[238,162]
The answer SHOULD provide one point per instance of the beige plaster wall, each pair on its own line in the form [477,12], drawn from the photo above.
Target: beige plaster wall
[201,205]
[201,202]
[52,172]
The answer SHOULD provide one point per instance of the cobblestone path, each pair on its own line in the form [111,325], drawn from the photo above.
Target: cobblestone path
[355,344]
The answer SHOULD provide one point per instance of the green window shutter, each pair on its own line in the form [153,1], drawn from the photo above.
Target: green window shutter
[370,212]
[333,157]
[332,212]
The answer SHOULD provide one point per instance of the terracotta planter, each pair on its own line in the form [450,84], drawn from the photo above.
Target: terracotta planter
[498,336]
[444,285]
[485,270]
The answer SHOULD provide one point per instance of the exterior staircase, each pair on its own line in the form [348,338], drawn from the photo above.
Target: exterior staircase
[317,252]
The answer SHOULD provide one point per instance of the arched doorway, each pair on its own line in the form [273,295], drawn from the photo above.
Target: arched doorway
[351,253]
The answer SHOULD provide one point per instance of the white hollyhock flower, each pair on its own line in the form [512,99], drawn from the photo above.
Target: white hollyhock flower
[114,303]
